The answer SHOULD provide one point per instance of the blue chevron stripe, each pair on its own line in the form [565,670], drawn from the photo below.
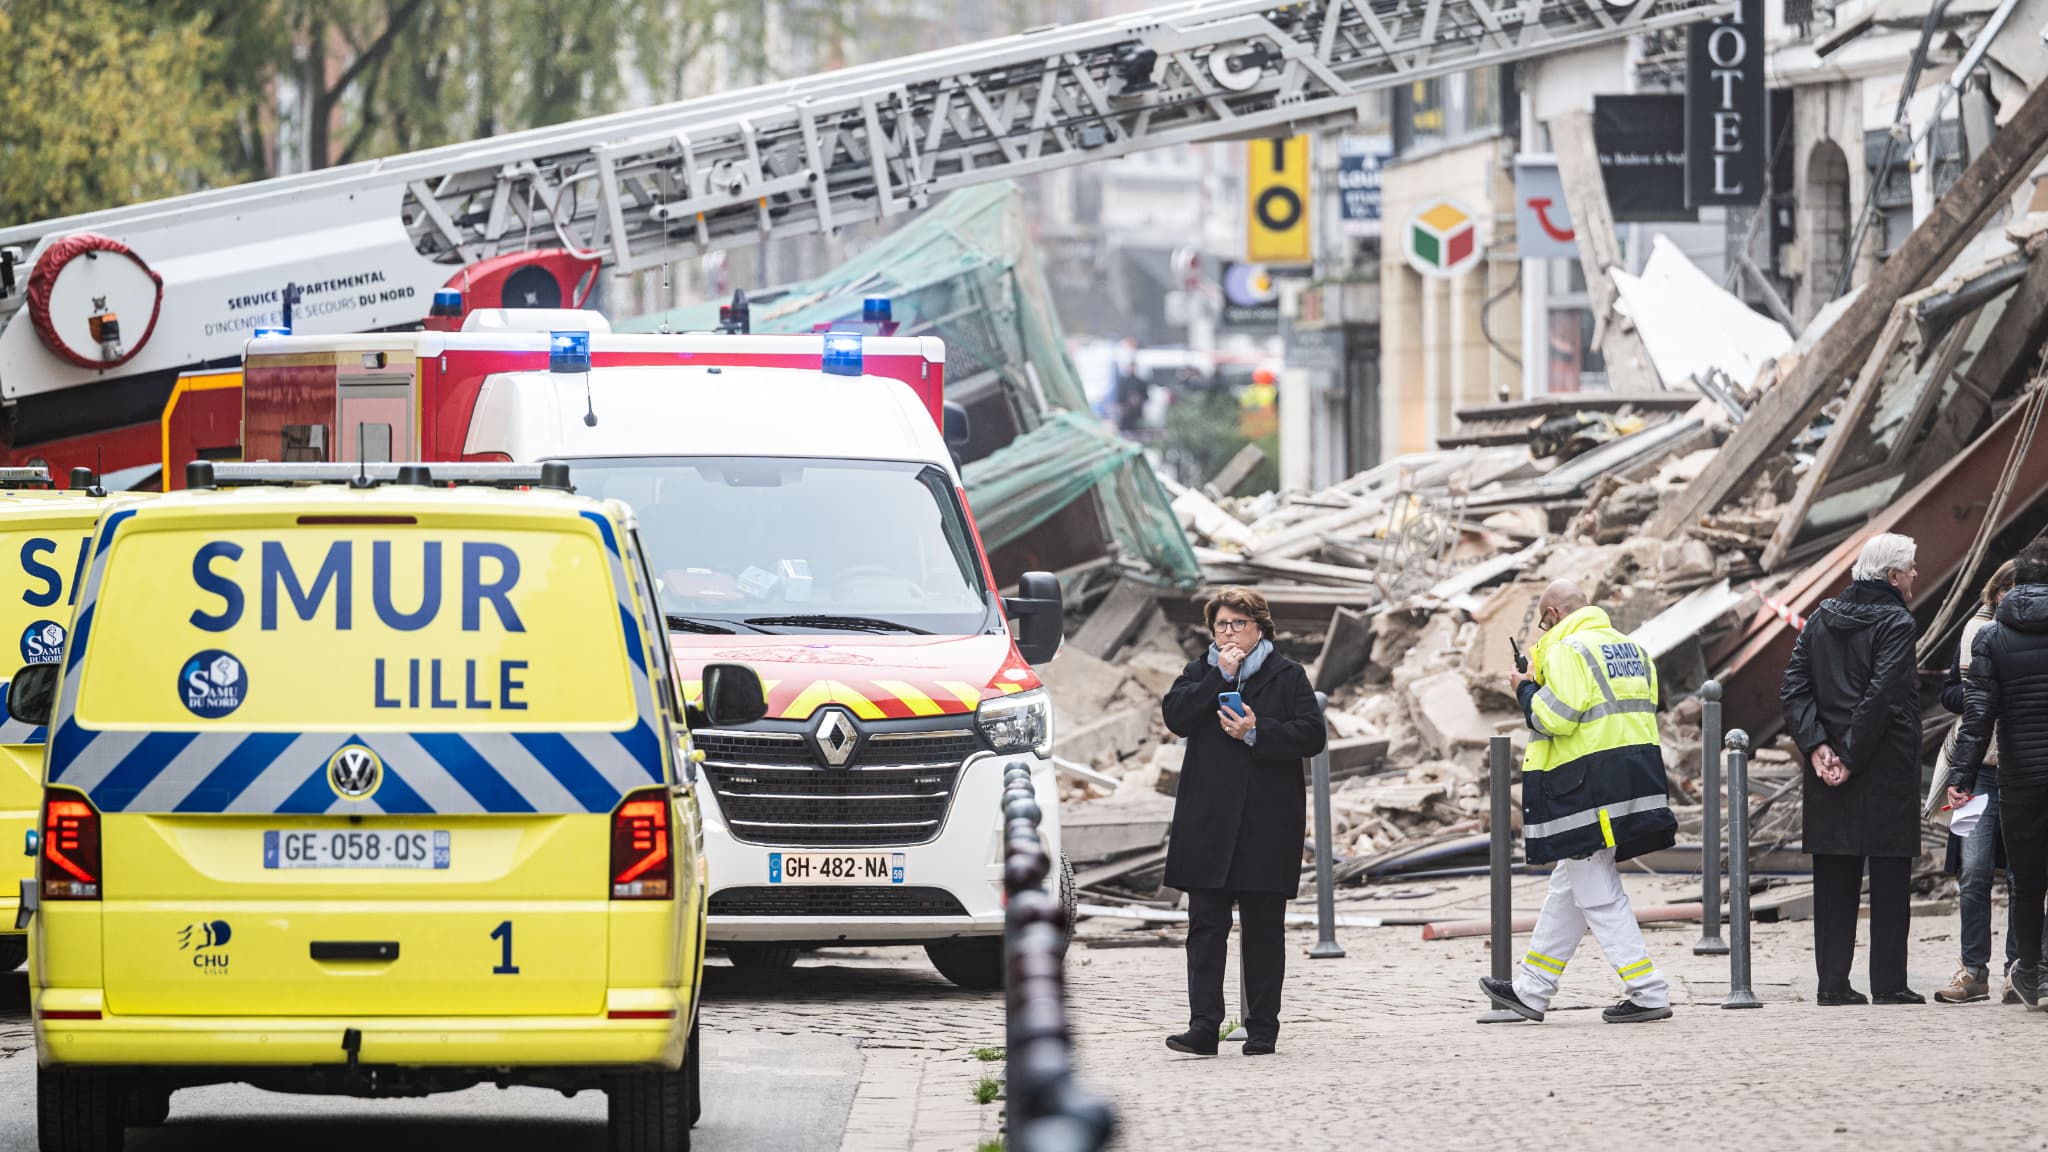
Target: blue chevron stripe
[632,630]
[473,772]
[645,747]
[138,768]
[397,797]
[568,766]
[75,648]
[107,530]
[70,741]
[236,771]
[312,797]
[604,529]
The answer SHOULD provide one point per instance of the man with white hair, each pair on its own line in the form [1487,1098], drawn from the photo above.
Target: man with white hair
[1852,703]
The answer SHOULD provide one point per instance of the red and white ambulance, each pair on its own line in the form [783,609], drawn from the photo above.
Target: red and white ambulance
[802,514]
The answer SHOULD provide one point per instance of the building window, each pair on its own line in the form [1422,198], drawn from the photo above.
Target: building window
[1431,113]
[305,443]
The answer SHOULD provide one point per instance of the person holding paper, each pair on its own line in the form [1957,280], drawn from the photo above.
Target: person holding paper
[1975,831]
[2007,690]
[1250,718]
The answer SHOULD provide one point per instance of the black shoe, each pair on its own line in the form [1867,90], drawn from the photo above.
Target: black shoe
[2027,982]
[1502,993]
[1630,1012]
[1194,1042]
[1258,1047]
[1846,996]
[1902,996]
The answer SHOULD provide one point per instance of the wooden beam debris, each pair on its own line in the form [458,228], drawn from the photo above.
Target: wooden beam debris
[1578,166]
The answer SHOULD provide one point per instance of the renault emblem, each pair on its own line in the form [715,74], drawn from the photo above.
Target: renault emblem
[354,771]
[836,737]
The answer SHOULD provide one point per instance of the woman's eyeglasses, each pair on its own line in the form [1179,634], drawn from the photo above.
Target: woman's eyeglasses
[1233,626]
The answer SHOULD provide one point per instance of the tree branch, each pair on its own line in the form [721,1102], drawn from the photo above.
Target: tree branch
[378,49]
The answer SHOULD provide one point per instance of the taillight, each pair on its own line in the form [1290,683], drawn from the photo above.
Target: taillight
[71,848]
[643,866]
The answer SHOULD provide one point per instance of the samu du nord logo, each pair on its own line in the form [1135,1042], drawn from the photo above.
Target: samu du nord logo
[354,771]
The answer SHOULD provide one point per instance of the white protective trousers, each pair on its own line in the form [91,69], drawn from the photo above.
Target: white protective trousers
[1588,894]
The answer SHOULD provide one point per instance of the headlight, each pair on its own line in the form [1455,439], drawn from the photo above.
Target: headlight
[1019,723]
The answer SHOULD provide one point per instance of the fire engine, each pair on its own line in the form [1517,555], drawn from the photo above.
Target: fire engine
[801,513]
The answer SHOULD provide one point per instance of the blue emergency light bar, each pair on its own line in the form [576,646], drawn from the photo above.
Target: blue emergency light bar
[874,310]
[842,354]
[262,332]
[568,351]
[447,302]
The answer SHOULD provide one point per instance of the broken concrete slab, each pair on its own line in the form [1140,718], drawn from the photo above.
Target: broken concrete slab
[1354,755]
[1346,648]
[1117,619]
[1155,672]
[1081,685]
[1116,734]
[1442,708]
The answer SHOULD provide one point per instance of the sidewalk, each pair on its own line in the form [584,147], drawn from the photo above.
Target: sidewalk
[1381,1049]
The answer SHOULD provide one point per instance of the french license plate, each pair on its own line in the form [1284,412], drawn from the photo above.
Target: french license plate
[356,848]
[835,867]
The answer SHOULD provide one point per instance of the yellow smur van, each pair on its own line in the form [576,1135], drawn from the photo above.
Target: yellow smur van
[44,533]
[374,788]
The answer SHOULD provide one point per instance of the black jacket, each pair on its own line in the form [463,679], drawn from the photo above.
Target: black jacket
[1852,686]
[2008,686]
[1239,812]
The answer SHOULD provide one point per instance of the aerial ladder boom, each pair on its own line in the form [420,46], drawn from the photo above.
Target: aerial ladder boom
[364,246]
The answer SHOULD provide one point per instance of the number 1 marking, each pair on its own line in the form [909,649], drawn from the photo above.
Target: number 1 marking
[503,933]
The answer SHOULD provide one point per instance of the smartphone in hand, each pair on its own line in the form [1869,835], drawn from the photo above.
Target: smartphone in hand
[1230,702]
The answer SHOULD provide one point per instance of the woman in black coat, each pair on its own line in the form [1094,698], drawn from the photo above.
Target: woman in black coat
[1852,703]
[1238,813]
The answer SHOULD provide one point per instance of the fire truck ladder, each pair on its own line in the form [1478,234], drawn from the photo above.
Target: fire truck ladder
[645,187]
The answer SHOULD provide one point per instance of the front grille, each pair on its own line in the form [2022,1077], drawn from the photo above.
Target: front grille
[895,791]
[777,901]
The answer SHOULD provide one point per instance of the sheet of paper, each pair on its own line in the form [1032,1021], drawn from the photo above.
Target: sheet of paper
[1964,819]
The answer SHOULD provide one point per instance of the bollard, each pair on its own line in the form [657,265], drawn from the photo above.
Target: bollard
[1500,850]
[1326,947]
[1739,994]
[1710,943]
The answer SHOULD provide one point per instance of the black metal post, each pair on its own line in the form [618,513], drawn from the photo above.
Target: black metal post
[1739,994]
[1326,947]
[1500,853]
[1711,943]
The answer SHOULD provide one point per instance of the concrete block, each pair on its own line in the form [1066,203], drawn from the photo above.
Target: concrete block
[1116,734]
[1442,708]
[1166,764]
[1081,685]
[1155,671]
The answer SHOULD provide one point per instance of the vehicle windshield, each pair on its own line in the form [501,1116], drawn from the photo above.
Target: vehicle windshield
[764,544]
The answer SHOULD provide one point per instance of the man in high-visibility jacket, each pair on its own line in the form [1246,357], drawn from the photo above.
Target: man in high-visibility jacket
[1593,794]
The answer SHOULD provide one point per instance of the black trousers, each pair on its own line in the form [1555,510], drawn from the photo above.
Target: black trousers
[1263,951]
[1837,892]
[2026,857]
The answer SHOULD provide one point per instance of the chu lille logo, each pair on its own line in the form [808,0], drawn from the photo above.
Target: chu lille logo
[212,684]
[205,940]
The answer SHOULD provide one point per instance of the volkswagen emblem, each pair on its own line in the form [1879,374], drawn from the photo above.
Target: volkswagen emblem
[354,771]
[836,737]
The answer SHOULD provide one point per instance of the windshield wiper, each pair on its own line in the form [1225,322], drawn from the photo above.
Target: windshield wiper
[692,624]
[840,623]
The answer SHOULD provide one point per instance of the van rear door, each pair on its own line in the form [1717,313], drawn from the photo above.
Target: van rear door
[356,761]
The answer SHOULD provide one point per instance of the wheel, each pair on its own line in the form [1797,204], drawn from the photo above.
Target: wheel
[1070,904]
[13,952]
[77,1111]
[750,955]
[146,1105]
[693,1073]
[648,1111]
[975,964]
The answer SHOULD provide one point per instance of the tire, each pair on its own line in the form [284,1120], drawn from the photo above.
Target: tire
[77,1111]
[146,1105]
[762,956]
[13,952]
[649,1112]
[975,964]
[693,1073]
[1070,904]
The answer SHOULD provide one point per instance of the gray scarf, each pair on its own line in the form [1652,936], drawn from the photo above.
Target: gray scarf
[1252,660]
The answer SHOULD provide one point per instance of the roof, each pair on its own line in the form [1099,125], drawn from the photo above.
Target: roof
[693,411]
[385,499]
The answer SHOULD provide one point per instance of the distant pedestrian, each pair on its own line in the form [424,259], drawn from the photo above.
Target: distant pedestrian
[1238,813]
[1852,703]
[1978,853]
[1593,794]
[2007,687]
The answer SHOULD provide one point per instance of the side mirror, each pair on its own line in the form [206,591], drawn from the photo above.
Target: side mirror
[1037,607]
[733,695]
[956,428]
[32,693]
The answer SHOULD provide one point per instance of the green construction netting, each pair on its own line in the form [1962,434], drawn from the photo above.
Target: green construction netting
[966,272]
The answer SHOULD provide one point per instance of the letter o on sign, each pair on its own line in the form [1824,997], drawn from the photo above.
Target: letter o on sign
[1727,47]
[1279,209]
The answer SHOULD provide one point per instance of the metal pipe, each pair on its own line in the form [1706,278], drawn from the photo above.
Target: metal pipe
[1326,946]
[1739,994]
[1710,943]
[1500,848]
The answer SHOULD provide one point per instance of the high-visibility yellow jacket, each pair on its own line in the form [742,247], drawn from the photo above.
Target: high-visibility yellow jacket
[1594,774]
